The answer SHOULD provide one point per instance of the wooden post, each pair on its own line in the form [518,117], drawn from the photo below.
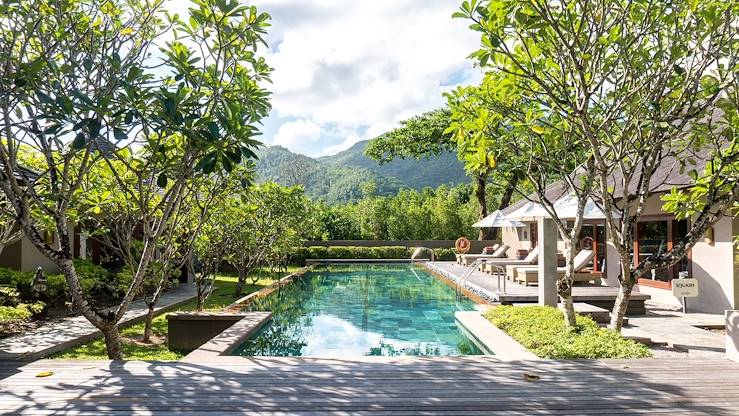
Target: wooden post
[547,233]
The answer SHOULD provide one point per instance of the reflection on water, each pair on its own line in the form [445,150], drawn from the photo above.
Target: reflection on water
[374,310]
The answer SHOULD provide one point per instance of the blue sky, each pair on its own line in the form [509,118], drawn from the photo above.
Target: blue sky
[349,70]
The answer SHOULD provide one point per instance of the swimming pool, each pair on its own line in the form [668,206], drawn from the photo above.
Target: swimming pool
[355,310]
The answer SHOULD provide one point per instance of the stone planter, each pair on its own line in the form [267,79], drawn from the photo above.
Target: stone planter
[732,335]
[187,331]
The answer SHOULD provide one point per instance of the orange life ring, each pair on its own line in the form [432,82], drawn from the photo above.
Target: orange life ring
[462,245]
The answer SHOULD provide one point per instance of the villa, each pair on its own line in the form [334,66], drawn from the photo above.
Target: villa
[713,261]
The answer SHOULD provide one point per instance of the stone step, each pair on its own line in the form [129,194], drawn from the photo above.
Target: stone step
[598,314]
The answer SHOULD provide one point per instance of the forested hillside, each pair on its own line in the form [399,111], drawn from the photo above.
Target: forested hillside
[348,175]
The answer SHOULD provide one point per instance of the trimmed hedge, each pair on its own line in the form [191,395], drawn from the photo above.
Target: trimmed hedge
[350,252]
[542,330]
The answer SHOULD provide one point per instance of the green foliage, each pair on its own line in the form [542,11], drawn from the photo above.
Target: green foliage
[12,309]
[222,295]
[355,252]
[542,330]
[445,213]
[94,279]
[20,312]
[418,137]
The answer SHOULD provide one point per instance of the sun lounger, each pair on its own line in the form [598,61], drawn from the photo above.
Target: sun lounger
[459,256]
[499,265]
[468,259]
[530,275]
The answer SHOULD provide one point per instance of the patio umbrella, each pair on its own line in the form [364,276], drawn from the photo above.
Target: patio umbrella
[565,207]
[497,219]
[528,212]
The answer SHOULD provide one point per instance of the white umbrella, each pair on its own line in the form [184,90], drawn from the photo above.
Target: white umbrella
[566,208]
[528,212]
[497,219]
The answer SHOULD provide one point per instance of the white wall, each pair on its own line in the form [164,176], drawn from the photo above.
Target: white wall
[712,264]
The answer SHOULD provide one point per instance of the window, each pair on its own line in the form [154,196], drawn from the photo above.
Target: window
[654,238]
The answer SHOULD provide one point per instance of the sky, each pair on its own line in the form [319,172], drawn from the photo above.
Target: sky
[350,70]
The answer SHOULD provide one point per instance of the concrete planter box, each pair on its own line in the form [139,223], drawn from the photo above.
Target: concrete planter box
[732,335]
[190,330]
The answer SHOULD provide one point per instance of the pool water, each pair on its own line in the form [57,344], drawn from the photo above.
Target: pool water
[361,310]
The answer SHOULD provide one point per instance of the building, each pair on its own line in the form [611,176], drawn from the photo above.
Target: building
[713,261]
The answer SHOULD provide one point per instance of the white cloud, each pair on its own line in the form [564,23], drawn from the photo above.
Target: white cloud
[351,70]
[296,132]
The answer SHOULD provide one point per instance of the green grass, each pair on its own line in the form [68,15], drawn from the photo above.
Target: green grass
[222,296]
[541,330]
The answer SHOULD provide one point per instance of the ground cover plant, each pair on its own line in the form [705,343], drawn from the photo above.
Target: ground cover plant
[543,331]
[133,349]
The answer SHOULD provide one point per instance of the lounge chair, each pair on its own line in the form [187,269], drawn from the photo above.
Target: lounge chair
[467,259]
[459,256]
[530,275]
[496,265]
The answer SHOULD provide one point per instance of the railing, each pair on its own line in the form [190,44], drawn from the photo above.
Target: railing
[466,275]
[420,250]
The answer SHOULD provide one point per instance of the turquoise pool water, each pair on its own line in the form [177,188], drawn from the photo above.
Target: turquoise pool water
[361,310]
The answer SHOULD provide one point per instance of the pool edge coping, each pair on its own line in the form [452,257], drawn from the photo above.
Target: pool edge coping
[227,341]
[494,339]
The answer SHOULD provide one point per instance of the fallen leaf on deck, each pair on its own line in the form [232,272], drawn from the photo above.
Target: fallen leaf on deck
[45,374]
[531,377]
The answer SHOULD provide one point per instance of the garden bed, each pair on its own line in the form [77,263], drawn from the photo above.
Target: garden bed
[134,349]
[541,330]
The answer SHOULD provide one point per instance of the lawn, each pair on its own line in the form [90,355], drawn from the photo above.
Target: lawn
[134,349]
[541,329]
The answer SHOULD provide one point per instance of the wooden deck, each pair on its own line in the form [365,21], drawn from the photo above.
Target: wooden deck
[376,385]
[487,285]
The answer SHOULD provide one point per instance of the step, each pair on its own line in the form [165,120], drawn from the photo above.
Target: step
[598,314]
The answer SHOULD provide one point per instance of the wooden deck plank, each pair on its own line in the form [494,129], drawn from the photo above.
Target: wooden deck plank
[444,385]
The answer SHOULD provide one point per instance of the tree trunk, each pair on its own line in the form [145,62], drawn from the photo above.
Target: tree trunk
[112,341]
[568,309]
[564,289]
[152,304]
[147,325]
[480,184]
[624,294]
[240,284]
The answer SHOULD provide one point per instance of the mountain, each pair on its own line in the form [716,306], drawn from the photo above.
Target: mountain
[339,178]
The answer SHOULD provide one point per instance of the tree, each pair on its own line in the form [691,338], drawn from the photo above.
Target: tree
[263,225]
[80,76]
[426,136]
[635,81]
[496,121]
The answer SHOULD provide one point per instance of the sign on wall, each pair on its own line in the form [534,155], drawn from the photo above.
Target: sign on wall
[685,288]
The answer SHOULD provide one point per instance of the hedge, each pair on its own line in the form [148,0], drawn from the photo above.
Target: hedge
[542,330]
[350,252]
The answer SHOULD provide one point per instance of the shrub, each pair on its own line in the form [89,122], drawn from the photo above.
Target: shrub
[95,280]
[351,252]
[20,312]
[542,330]
[12,309]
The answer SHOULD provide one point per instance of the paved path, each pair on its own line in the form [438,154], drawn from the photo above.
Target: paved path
[680,331]
[372,385]
[65,333]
